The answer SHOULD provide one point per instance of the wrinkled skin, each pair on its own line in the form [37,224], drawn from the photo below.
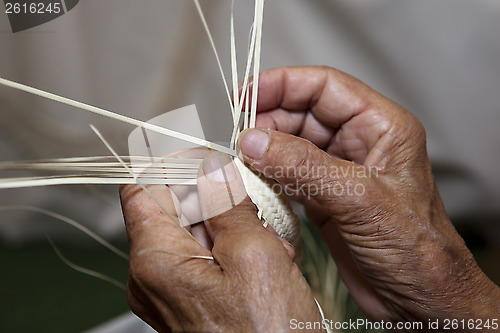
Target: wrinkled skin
[253,285]
[394,245]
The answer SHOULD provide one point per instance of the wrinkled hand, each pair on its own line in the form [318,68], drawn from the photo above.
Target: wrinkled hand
[253,284]
[370,190]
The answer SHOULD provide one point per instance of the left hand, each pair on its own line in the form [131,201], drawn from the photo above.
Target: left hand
[252,286]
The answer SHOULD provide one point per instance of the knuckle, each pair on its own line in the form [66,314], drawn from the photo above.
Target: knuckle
[419,129]
[243,211]
[251,253]
[246,251]
[414,126]
[128,193]
[443,266]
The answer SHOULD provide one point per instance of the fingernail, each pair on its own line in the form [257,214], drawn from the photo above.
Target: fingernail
[253,143]
[289,247]
[218,167]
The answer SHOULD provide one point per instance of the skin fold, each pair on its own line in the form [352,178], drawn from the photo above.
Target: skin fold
[320,133]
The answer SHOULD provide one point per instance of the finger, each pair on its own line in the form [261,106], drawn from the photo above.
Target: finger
[199,232]
[302,124]
[226,188]
[188,194]
[315,212]
[290,249]
[239,238]
[295,163]
[335,111]
[155,234]
[331,95]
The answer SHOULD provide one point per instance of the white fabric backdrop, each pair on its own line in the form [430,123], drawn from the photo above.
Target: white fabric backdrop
[439,59]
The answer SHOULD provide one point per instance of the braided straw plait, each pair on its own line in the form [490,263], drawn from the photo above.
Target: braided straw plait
[272,204]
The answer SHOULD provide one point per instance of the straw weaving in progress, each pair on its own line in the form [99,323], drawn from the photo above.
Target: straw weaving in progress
[273,206]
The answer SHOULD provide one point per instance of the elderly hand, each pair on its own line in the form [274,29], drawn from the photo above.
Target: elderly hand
[370,190]
[253,284]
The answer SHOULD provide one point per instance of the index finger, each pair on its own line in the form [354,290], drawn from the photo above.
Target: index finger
[340,114]
[332,96]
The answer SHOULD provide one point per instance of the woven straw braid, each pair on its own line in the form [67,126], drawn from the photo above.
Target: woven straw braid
[272,204]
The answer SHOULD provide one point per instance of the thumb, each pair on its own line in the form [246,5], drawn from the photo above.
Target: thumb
[220,187]
[338,185]
[231,218]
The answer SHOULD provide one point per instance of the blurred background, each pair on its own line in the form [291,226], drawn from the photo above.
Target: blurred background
[440,60]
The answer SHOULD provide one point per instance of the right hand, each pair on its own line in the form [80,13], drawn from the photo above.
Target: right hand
[388,232]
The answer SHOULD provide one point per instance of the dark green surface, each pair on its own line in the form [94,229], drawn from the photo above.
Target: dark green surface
[39,293]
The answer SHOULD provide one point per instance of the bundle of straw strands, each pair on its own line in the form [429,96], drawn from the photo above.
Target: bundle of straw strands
[318,266]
